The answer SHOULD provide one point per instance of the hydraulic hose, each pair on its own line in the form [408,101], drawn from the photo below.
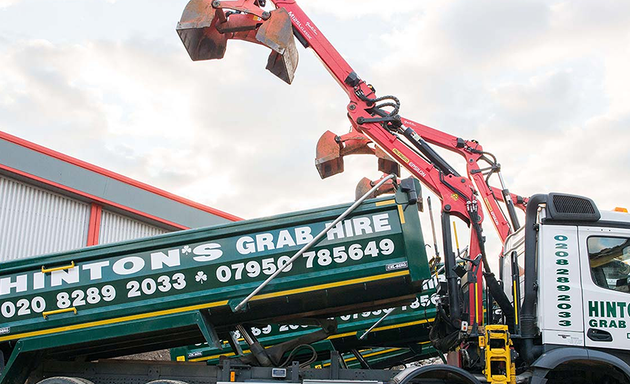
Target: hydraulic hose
[493,285]
[499,296]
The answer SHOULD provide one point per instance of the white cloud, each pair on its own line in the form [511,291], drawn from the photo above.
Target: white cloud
[354,9]
[534,82]
[8,3]
[588,160]
[199,129]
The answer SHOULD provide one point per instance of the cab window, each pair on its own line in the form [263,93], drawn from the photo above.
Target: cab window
[609,259]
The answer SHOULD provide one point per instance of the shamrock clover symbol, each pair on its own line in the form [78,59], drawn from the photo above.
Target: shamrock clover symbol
[200,277]
[186,250]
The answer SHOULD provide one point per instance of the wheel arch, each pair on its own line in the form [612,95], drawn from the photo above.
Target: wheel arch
[550,360]
[407,375]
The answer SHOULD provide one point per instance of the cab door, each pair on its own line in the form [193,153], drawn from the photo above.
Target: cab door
[560,312]
[605,255]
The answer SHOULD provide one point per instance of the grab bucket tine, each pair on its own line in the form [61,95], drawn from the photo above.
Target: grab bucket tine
[277,34]
[328,157]
[205,30]
[366,184]
[283,65]
[197,30]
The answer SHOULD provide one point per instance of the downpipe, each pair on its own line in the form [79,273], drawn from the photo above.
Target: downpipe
[529,351]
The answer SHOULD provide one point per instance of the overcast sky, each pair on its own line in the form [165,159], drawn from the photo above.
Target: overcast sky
[544,85]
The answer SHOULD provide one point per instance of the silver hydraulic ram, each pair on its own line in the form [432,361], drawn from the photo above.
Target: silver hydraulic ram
[315,240]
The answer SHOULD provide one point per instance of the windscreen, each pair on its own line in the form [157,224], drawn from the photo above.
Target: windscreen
[610,262]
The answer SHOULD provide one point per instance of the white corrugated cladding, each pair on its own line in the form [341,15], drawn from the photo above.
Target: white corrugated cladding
[115,227]
[34,221]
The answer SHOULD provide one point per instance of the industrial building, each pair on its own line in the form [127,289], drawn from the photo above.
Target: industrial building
[51,202]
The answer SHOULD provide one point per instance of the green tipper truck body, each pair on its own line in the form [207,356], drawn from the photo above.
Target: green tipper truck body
[405,326]
[178,289]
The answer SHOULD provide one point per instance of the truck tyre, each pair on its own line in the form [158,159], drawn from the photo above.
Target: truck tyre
[64,380]
[85,381]
[446,373]
[164,381]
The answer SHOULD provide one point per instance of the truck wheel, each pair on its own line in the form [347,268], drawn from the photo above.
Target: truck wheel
[64,380]
[164,381]
[439,373]
[85,381]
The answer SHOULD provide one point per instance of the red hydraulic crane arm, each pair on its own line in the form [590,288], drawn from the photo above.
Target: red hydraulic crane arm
[419,167]
[457,193]
[334,62]
[207,25]
[472,152]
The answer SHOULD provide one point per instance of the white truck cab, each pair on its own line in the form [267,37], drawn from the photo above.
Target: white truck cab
[575,309]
